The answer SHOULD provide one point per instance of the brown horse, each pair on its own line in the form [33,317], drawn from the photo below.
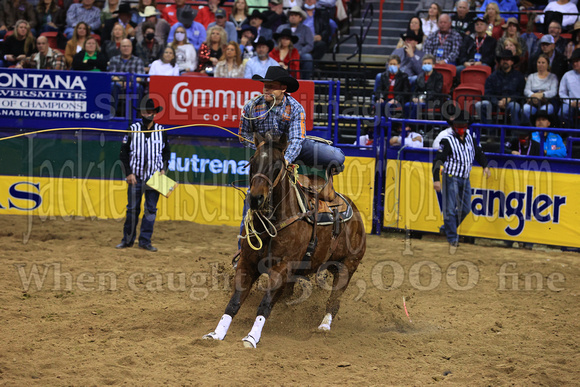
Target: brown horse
[278,240]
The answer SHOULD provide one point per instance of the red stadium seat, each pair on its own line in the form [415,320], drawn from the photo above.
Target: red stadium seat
[467,95]
[194,74]
[475,74]
[52,38]
[448,71]
[97,38]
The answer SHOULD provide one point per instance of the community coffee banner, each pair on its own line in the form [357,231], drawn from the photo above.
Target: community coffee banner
[214,101]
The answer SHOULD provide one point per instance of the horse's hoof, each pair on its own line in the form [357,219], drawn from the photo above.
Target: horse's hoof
[249,342]
[324,327]
[211,336]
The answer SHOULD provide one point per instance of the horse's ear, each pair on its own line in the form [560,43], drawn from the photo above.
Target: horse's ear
[258,139]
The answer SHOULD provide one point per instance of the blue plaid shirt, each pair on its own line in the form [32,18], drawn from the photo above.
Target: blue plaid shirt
[288,117]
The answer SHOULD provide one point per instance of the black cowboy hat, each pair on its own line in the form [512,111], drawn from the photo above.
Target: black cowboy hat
[286,32]
[247,27]
[123,8]
[575,55]
[186,15]
[507,54]
[267,42]
[410,34]
[462,118]
[147,104]
[544,114]
[257,14]
[278,74]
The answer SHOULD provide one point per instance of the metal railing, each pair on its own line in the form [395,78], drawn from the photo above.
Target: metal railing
[366,23]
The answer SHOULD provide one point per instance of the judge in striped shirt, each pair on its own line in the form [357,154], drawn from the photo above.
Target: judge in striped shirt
[456,154]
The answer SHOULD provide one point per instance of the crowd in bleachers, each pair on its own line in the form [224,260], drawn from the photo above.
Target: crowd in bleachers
[53,34]
[491,62]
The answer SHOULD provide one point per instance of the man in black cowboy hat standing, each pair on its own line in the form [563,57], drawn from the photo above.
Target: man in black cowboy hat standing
[259,64]
[143,153]
[504,89]
[456,153]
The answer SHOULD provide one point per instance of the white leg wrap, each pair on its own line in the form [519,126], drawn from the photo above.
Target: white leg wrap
[222,328]
[325,324]
[253,338]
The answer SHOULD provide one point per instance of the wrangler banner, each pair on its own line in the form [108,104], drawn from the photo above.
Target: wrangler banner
[216,101]
[528,205]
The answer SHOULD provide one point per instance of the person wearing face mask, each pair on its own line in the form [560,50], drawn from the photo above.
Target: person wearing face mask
[524,145]
[456,154]
[149,50]
[185,52]
[429,83]
[393,86]
[145,150]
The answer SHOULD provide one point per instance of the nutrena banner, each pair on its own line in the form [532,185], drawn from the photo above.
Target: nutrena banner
[527,205]
[69,95]
[216,101]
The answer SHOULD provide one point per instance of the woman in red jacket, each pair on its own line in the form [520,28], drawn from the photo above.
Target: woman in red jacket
[285,54]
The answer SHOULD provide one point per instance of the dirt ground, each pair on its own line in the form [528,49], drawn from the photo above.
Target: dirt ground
[76,311]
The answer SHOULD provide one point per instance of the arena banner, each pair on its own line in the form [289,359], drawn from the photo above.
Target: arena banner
[527,205]
[95,198]
[215,101]
[42,94]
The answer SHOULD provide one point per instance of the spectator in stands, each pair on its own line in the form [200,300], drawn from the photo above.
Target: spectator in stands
[411,57]
[394,87]
[320,23]
[196,33]
[149,50]
[524,145]
[429,82]
[112,47]
[512,30]
[503,6]
[206,15]
[13,10]
[415,26]
[45,59]
[212,50]
[137,17]
[555,29]
[430,23]
[285,54]
[108,12]
[570,90]
[305,43]
[19,45]
[82,12]
[256,19]
[502,90]
[412,139]
[292,3]
[240,13]
[530,37]
[49,16]
[247,41]
[446,5]
[562,6]
[231,64]
[541,87]
[167,65]
[461,20]
[557,61]
[123,18]
[514,46]
[553,143]
[124,63]
[81,32]
[445,43]
[151,15]
[494,21]
[574,42]
[275,16]
[228,26]
[170,12]
[477,49]
[90,58]
[259,64]
[257,5]
[185,53]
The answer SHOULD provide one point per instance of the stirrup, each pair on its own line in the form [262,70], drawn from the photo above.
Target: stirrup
[236,258]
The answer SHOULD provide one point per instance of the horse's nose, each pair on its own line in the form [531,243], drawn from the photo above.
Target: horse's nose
[256,201]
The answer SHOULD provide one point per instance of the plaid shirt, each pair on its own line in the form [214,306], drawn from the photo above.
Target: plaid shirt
[54,60]
[450,42]
[133,65]
[289,117]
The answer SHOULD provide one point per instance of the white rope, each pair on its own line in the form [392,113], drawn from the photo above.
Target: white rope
[252,101]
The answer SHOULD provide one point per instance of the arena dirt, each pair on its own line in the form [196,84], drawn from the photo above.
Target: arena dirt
[107,317]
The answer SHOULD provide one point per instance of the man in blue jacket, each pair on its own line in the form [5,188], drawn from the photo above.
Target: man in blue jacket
[504,89]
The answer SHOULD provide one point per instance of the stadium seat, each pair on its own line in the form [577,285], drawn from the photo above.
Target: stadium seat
[475,74]
[97,38]
[466,95]
[52,38]
[448,71]
[194,74]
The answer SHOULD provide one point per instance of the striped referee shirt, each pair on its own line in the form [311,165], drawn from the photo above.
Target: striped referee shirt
[145,152]
[457,155]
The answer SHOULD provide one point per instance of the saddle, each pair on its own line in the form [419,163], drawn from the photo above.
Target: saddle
[332,206]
